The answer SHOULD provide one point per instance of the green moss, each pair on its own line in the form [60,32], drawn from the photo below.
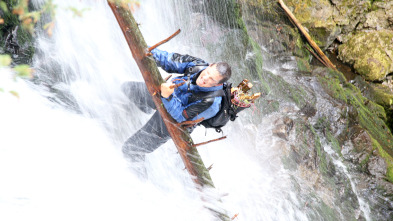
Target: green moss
[323,167]
[270,83]
[323,125]
[333,86]
[335,144]
[388,159]
[327,212]
[381,95]
[369,114]
[300,8]
[257,63]
[303,65]
[364,163]
[375,126]
[229,16]
[368,53]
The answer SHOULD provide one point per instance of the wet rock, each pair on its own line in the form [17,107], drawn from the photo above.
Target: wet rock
[349,13]
[308,110]
[386,6]
[361,140]
[382,95]
[360,149]
[11,42]
[376,20]
[15,40]
[280,131]
[377,167]
[283,127]
[317,17]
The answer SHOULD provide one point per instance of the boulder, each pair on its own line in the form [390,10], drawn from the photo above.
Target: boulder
[377,167]
[370,53]
[348,14]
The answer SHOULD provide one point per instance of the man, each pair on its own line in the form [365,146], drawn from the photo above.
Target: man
[198,97]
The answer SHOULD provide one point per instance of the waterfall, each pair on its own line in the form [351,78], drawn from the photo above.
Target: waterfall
[60,146]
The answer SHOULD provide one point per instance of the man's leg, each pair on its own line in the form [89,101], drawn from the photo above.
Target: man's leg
[147,139]
[138,94]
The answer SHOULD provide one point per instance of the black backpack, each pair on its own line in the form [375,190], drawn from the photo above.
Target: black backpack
[226,112]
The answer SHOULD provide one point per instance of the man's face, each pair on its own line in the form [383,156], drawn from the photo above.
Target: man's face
[209,77]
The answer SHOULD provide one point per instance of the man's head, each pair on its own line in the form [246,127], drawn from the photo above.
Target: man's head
[214,75]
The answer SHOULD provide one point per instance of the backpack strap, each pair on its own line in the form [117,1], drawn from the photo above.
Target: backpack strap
[204,95]
[195,69]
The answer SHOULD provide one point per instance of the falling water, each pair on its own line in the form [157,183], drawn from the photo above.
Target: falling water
[60,146]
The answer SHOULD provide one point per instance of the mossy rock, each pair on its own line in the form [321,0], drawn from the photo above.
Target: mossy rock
[349,12]
[303,65]
[370,53]
[316,16]
[388,159]
[369,115]
[381,95]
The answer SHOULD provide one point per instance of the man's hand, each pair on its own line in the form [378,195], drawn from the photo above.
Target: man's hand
[167,89]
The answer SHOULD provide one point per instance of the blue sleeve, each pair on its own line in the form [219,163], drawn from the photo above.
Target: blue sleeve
[174,108]
[174,62]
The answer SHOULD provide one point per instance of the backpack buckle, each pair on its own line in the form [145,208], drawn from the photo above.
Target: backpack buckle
[189,70]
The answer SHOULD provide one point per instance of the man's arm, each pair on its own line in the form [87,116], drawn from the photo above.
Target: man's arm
[174,62]
[206,108]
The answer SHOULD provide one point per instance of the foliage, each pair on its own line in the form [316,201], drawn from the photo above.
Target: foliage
[15,14]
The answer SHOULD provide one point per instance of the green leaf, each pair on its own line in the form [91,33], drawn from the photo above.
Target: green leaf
[5,60]
[1,89]
[23,71]
[3,6]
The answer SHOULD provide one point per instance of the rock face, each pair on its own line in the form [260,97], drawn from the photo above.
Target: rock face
[370,53]
[364,28]
[317,16]
[334,121]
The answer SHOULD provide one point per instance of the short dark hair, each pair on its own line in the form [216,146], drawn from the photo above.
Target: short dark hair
[225,71]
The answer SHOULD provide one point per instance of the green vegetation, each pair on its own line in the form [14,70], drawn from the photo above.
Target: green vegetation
[388,159]
[371,59]
[369,115]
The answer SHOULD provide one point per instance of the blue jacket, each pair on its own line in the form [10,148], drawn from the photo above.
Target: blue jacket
[180,105]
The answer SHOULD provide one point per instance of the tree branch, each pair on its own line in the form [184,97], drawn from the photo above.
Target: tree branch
[325,59]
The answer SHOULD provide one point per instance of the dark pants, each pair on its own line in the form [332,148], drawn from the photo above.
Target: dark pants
[153,134]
